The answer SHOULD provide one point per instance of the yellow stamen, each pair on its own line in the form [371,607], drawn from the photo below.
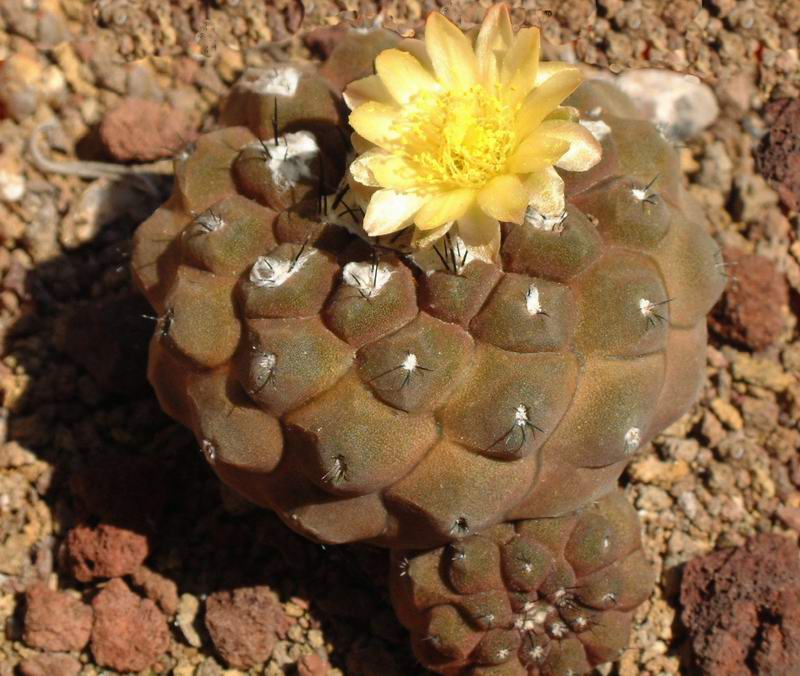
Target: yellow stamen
[456,139]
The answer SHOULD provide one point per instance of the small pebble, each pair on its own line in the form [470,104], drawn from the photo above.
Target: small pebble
[315,638]
[142,130]
[681,104]
[104,551]
[750,312]
[727,413]
[55,620]
[743,602]
[778,155]
[12,186]
[312,665]
[129,632]
[245,625]
[157,588]
[50,664]
[790,516]
[188,607]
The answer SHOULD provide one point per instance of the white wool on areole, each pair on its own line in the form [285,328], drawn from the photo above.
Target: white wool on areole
[209,221]
[271,271]
[532,300]
[276,81]
[290,157]
[633,438]
[367,277]
[264,364]
[536,219]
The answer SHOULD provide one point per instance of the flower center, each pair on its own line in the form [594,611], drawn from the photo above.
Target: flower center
[457,139]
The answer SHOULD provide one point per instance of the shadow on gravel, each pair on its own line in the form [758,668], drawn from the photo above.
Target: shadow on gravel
[88,411]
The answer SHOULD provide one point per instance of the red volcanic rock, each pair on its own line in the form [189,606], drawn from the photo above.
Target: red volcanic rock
[55,620]
[778,155]
[157,588]
[130,633]
[53,664]
[312,665]
[142,130]
[742,608]
[245,624]
[105,551]
[749,312]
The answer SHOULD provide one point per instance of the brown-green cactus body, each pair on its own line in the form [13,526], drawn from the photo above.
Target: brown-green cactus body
[364,394]
[544,596]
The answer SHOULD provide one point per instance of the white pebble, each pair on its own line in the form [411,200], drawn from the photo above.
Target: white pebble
[682,104]
[12,186]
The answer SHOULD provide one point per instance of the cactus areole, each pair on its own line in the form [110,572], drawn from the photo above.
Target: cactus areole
[426,289]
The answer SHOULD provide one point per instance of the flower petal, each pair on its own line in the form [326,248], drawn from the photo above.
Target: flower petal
[493,40]
[390,211]
[444,207]
[584,149]
[481,235]
[472,35]
[536,152]
[546,192]
[359,143]
[543,99]
[403,76]
[417,49]
[451,53]
[504,198]
[366,89]
[375,122]
[518,73]
[422,239]
[361,195]
[565,113]
[361,167]
[346,214]
[394,172]
[549,68]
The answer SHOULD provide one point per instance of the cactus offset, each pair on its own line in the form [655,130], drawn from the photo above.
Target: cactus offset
[540,596]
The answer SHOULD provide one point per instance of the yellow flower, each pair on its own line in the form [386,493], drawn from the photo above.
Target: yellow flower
[455,131]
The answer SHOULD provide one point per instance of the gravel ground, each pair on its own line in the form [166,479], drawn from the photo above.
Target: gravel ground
[107,509]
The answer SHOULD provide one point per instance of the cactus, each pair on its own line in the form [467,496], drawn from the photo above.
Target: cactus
[445,333]
[366,390]
[540,596]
